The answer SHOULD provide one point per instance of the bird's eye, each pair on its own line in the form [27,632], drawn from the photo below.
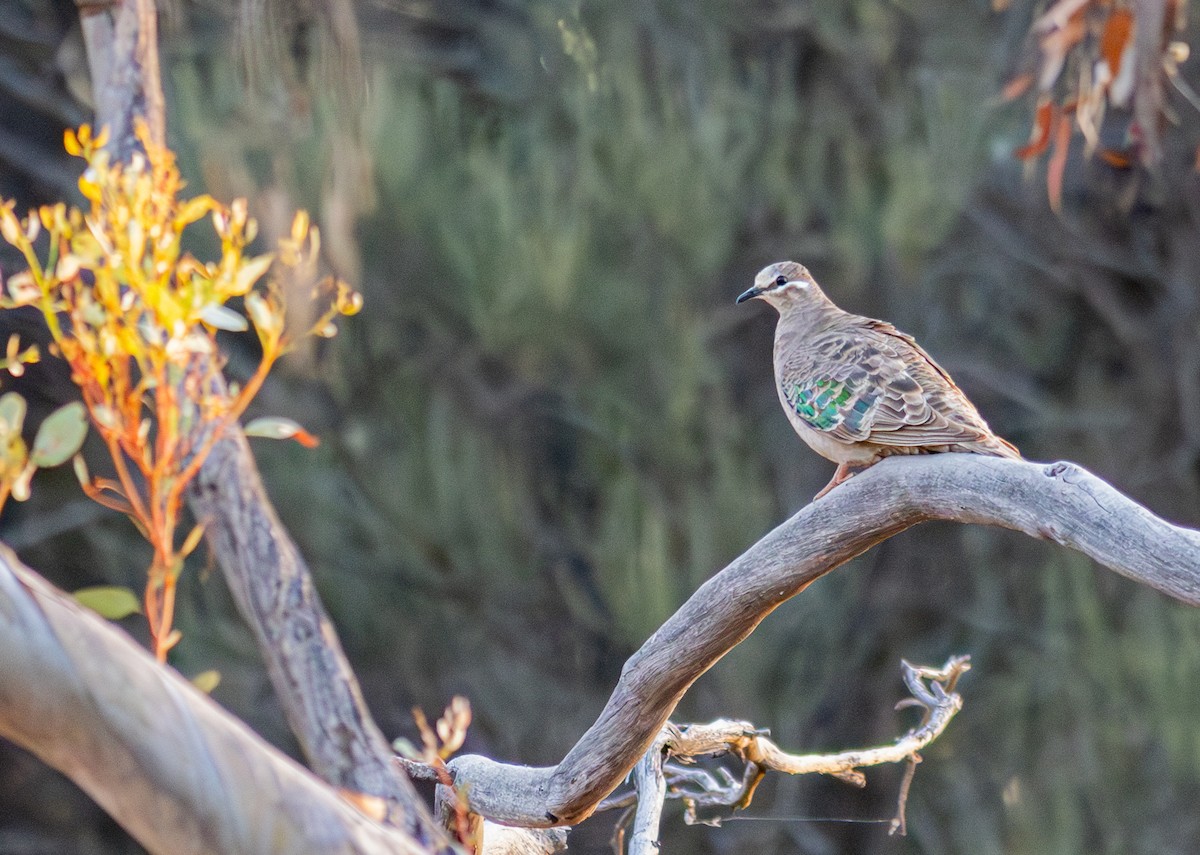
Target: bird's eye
[780,281]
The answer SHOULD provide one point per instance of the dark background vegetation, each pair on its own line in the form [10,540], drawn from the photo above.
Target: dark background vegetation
[551,423]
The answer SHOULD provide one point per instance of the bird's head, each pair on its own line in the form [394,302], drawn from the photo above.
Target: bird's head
[785,285]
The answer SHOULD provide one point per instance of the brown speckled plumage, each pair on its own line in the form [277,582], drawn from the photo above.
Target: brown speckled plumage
[857,389]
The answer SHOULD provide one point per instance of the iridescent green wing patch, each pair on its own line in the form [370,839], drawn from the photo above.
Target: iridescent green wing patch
[827,404]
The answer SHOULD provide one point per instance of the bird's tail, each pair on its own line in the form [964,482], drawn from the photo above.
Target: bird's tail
[996,446]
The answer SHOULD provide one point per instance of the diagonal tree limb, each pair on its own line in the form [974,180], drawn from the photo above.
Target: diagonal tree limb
[179,773]
[274,592]
[1059,501]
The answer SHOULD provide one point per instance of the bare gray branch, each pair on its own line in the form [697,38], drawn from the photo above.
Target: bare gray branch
[1059,502]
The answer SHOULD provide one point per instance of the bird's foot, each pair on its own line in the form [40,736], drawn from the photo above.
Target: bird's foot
[843,473]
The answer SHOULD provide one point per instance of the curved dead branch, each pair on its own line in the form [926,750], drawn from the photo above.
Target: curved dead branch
[178,772]
[1060,502]
[657,778]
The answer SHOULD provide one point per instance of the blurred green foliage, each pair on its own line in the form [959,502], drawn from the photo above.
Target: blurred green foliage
[550,424]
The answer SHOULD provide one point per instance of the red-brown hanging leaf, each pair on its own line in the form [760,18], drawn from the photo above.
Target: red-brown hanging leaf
[1039,135]
[1115,158]
[1118,29]
[1058,163]
[1056,44]
[306,439]
[1017,87]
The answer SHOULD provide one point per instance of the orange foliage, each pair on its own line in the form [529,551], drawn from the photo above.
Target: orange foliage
[136,318]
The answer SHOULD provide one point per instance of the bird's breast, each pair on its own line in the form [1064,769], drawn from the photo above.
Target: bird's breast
[855,454]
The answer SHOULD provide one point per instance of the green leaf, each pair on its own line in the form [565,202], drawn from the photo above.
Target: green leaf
[109,601]
[223,318]
[206,681]
[273,427]
[60,435]
[12,413]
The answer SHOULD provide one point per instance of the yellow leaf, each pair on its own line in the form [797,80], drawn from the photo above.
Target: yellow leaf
[192,210]
[249,273]
[263,315]
[10,227]
[206,681]
[192,541]
[71,143]
[88,187]
[300,226]
[373,806]
[137,242]
[81,471]
[348,302]
[20,487]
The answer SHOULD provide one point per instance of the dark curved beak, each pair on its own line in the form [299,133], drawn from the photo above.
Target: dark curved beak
[749,295]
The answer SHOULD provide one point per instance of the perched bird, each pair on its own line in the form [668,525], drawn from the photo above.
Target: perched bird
[857,389]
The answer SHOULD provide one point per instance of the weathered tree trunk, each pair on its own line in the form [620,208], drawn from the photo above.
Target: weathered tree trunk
[274,592]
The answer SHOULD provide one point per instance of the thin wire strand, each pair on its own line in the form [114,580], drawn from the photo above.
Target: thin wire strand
[805,819]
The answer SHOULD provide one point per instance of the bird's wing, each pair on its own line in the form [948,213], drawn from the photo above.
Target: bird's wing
[872,383]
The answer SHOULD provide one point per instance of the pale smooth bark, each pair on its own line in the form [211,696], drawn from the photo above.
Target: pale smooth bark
[174,769]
